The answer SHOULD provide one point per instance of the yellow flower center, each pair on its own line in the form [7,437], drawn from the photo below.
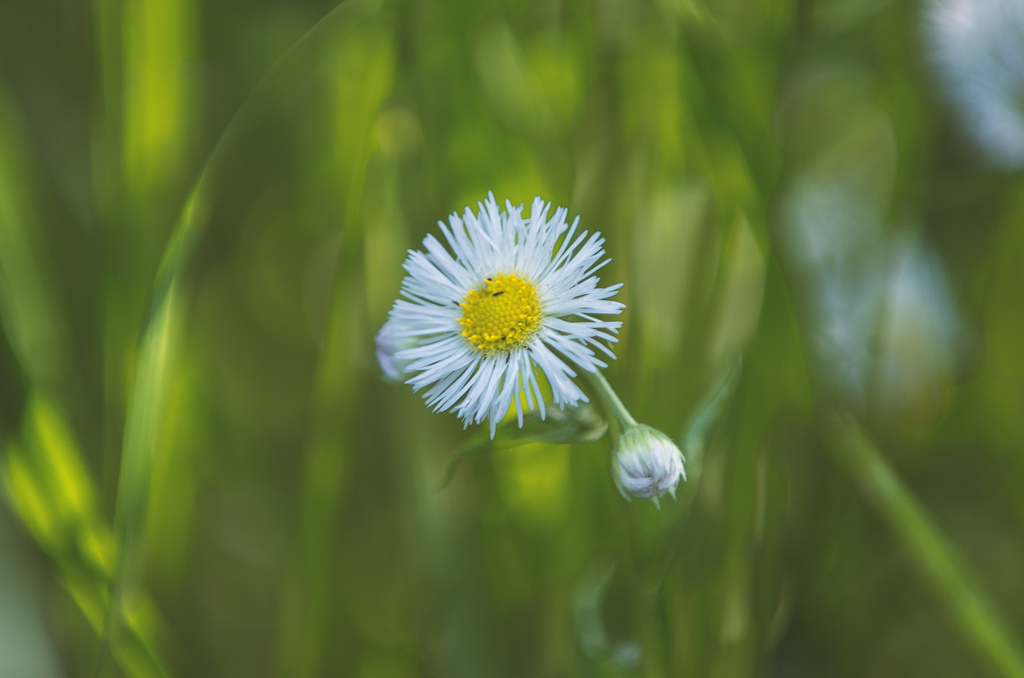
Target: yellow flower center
[501,316]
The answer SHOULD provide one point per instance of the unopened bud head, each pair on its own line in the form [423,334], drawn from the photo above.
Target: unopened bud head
[646,464]
[388,345]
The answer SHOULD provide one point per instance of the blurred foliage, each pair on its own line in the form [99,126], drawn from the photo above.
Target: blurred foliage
[204,209]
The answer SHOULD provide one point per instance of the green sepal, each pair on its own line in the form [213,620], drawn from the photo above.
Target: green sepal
[582,424]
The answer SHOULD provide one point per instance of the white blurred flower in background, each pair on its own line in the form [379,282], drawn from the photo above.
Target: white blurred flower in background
[920,333]
[833,236]
[977,48]
[882,318]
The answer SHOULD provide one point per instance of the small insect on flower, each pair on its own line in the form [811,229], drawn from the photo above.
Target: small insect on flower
[513,294]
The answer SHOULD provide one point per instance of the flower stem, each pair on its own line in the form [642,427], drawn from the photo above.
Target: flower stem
[931,552]
[612,399]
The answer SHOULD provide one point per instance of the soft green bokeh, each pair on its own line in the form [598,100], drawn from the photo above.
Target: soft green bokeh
[204,209]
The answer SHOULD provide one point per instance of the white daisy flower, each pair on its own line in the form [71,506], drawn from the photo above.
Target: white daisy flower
[513,293]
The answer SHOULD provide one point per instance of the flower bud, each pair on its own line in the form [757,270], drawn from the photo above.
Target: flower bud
[646,464]
[388,345]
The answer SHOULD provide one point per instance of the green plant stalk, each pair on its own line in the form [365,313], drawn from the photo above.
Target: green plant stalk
[612,400]
[977,617]
[153,371]
[142,429]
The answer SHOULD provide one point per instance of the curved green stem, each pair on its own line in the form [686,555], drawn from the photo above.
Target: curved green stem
[155,365]
[613,401]
[932,553]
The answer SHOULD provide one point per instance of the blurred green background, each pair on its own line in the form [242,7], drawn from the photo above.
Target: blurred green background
[204,209]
